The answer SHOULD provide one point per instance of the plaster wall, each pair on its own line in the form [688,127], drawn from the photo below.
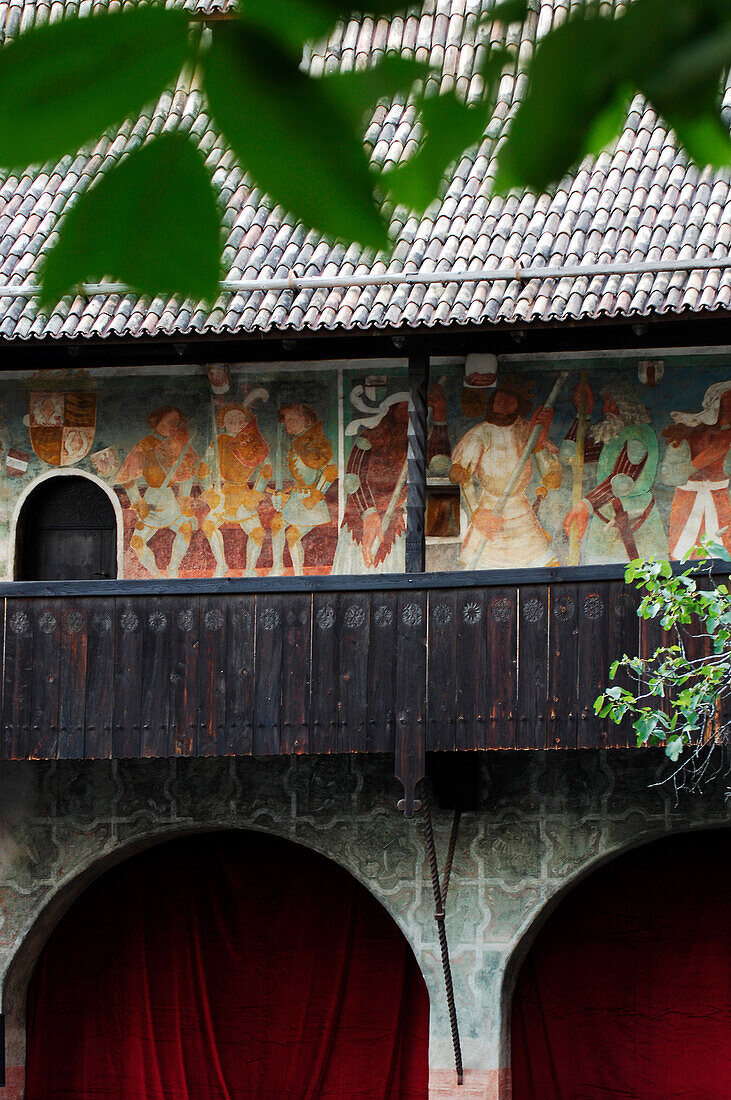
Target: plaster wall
[545,820]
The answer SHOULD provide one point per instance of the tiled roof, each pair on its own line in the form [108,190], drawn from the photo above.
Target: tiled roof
[642,202]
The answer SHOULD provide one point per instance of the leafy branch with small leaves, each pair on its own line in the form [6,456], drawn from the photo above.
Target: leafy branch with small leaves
[152,217]
[681,694]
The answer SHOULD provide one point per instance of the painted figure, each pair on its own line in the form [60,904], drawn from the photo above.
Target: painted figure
[243,474]
[493,466]
[300,503]
[164,464]
[373,531]
[697,463]
[618,518]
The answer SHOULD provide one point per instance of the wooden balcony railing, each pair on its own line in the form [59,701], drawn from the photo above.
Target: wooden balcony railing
[400,664]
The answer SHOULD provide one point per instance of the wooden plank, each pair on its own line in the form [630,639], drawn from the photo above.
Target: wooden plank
[533,667]
[240,676]
[295,721]
[471,671]
[126,742]
[72,679]
[593,619]
[495,578]
[212,661]
[100,680]
[411,694]
[624,637]
[502,667]
[443,671]
[45,674]
[17,686]
[324,694]
[563,667]
[184,641]
[353,634]
[156,630]
[381,689]
[268,681]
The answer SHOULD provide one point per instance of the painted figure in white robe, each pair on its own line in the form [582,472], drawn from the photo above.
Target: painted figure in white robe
[505,532]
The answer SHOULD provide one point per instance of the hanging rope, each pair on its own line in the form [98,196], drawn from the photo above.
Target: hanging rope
[440,895]
[450,856]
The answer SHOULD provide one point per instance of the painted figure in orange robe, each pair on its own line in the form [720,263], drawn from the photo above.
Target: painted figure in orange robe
[696,462]
[244,475]
[300,499]
[165,464]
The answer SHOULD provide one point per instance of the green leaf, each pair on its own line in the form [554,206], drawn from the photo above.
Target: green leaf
[705,138]
[552,126]
[675,52]
[63,84]
[292,136]
[359,91]
[645,726]
[450,128]
[151,221]
[674,748]
[295,22]
[509,11]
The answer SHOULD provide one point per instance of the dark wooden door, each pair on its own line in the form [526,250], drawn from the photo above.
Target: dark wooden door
[68,532]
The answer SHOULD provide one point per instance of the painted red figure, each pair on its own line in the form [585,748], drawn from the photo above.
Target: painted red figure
[696,463]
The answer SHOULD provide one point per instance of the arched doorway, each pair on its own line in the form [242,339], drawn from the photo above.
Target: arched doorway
[223,967]
[626,991]
[67,530]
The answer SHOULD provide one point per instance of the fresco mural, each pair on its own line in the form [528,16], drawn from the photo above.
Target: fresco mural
[223,472]
[237,472]
[590,465]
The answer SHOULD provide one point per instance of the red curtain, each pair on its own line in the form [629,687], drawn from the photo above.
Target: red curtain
[626,991]
[226,967]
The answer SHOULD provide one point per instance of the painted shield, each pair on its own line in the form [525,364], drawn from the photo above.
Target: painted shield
[62,426]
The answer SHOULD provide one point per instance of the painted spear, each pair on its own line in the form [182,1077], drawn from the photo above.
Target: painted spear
[524,457]
[527,451]
[577,492]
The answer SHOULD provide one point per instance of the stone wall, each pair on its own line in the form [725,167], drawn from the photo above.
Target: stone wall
[545,819]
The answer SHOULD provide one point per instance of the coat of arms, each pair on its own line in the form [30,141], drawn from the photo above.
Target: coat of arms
[62,426]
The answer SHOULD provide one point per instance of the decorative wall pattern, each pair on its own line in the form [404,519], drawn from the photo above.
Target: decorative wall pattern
[543,819]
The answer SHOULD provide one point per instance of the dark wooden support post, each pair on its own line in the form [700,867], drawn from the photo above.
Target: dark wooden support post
[413,610]
[416,455]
